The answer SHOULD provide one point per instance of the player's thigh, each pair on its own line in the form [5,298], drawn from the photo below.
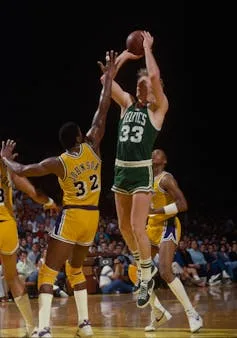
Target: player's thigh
[123,207]
[57,253]
[140,207]
[78,256]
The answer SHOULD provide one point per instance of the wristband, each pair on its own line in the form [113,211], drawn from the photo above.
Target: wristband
[49,203]
[171,209]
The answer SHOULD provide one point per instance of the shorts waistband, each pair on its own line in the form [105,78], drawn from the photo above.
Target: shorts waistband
[133,164]
[84,207]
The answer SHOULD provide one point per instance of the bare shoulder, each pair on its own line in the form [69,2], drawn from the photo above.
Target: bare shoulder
[94,148]
[157,114]
[130,100]
[88,141]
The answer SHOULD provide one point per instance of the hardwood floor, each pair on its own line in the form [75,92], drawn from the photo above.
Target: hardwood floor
[117,315]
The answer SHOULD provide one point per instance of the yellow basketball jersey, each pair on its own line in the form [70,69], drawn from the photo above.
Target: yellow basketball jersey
[81,184]
[6,204]
[160,198]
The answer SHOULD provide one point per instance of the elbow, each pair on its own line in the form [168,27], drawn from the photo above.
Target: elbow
[154,76]
[19,172]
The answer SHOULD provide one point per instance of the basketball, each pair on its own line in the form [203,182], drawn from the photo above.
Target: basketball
[134,42]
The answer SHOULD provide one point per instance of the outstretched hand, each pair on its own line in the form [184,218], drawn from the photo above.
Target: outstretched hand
[121,58]
[53,208]
[110,63]
[147,40]
[130,56]
[110,59]
[7,149]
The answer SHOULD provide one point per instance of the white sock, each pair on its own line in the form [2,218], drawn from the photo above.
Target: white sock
[136,256]
[82,305]
[146,269]
[155,303]
[45,302]
[178,290]
[23,304]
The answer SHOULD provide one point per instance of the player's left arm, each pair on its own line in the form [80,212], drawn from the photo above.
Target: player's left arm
[170,185]
[161,101]
[48,166]
[97,130]
[24,185]
[51,165]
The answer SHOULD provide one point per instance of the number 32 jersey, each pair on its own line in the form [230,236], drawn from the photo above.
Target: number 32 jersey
[136,135]
[81,184]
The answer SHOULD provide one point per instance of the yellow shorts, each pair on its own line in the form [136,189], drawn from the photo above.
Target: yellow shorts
[8,237]
[168,230]
[76,226]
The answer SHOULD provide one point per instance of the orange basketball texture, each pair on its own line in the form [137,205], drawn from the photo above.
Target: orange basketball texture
[134,42]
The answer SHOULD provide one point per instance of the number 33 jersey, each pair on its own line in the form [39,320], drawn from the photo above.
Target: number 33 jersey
[136,135]
[81,183]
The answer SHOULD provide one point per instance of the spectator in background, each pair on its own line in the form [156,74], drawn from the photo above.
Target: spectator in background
[40,233]
[198,259]
[34,253]
[233,252]
[32,223]
[28,272]
[101,235]
[24,246]
[230,266]
[115,279]
[216,265]
[184,259]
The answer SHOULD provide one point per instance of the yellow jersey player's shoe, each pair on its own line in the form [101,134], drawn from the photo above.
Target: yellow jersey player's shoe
[84,330]
[158,318]
[45,333]
[195,320]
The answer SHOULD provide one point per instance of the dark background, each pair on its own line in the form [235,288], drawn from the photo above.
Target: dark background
[49,75]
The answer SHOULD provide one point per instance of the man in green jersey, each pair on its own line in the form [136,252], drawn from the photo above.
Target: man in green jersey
[140,122]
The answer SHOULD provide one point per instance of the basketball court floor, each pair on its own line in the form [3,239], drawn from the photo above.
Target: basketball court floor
[117,315]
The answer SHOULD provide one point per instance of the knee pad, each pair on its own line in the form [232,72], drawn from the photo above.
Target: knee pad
[74,275]
[46,276]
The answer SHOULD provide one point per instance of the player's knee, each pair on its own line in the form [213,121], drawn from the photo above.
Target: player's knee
[46,276]
[75,275]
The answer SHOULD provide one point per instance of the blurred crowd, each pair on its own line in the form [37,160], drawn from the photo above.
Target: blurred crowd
[206,254]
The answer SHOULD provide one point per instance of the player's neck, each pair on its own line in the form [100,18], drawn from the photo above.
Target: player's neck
[158,170]
[141,103]
[75,150]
